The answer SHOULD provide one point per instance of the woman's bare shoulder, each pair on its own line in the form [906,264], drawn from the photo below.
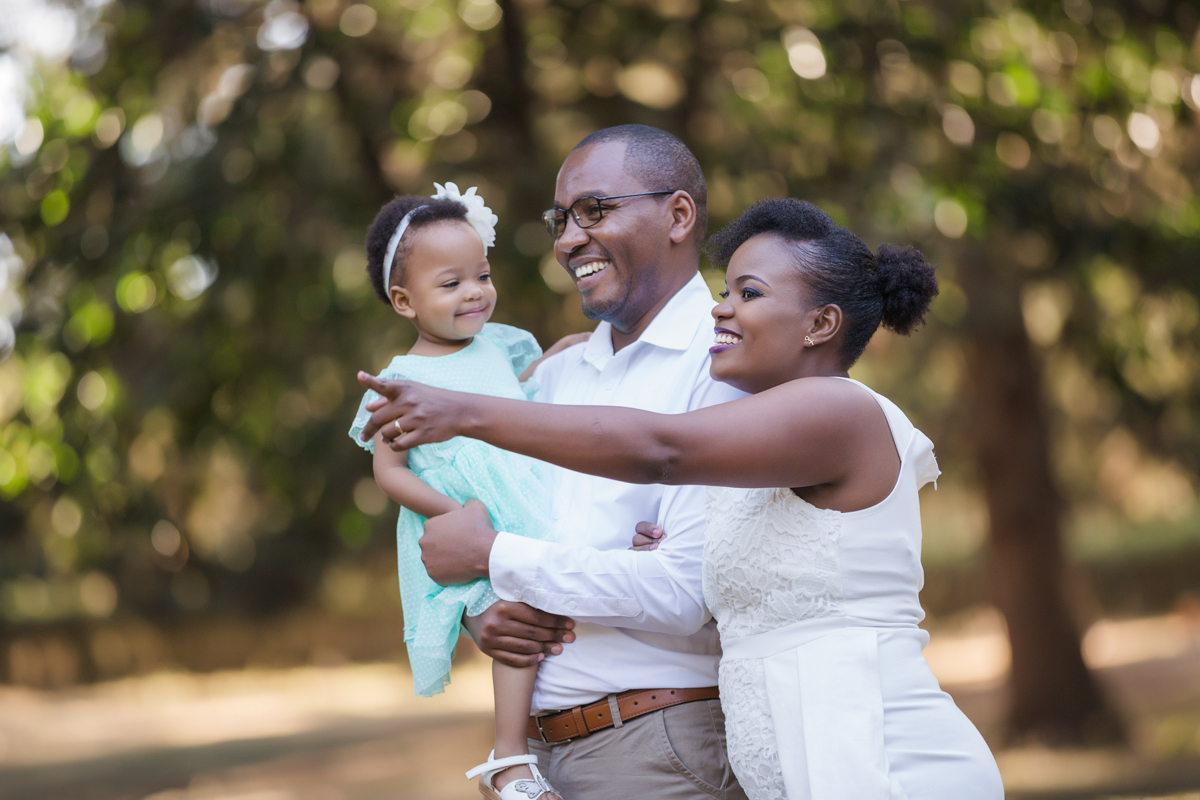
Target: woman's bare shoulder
[834,406]
[843,393]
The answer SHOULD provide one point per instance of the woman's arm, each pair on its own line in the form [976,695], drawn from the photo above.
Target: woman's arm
[803,433]
[402,485]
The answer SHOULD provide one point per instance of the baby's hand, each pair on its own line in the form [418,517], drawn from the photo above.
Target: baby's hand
[557,347]
[568,341]
[648,536]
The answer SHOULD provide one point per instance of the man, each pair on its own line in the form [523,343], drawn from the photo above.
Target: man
[629,218]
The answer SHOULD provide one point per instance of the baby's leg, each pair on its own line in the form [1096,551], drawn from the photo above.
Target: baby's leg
[513,688]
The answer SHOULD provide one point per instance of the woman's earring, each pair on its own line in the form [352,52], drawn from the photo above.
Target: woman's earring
[808,341]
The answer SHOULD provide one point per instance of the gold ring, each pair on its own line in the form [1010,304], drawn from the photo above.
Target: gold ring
[399,430]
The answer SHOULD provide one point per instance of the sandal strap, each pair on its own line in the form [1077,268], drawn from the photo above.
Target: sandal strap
[493,765]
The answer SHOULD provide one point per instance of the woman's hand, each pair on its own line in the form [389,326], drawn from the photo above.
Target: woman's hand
[410,414]
[648,536]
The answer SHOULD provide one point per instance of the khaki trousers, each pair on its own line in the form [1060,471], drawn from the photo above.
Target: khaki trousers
[677,753]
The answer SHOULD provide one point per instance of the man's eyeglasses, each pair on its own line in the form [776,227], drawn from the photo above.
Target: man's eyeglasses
[586,211]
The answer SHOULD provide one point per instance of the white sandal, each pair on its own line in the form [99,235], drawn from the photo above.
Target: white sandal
[520,789]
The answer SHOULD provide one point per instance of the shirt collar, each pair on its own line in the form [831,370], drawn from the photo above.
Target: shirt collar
[673,328]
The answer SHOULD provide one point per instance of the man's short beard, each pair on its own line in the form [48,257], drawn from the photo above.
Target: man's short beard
[604,311]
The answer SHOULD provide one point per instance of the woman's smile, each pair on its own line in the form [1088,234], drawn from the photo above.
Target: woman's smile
[724,339]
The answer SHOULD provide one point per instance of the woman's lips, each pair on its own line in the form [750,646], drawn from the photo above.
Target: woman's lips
[724,340]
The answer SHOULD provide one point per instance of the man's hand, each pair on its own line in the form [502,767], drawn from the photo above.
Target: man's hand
[647,536]
[456,546]
[519,635]
[423,413]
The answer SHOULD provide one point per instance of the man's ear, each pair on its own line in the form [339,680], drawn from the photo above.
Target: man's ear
[683,216]
[400,302]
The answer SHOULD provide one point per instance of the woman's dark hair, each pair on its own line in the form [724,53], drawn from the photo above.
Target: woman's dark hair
[381,230]
[894,287]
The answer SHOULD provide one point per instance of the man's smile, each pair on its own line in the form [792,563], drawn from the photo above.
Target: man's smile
[590,268]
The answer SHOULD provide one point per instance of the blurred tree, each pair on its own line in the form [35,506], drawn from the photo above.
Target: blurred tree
[185,186]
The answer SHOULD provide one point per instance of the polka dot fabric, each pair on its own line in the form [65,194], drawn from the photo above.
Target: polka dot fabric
[463,469]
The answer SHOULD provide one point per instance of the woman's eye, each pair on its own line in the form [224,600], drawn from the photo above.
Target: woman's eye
[750,294]
[724,295]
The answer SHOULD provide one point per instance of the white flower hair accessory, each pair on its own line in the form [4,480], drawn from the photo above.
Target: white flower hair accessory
[479,216]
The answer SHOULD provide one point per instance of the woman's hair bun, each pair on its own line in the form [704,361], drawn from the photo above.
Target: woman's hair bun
[909,286]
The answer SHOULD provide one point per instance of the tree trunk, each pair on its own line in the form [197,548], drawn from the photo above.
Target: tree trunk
[1054,697]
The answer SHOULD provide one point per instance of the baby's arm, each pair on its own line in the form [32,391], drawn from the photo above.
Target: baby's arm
[402,485]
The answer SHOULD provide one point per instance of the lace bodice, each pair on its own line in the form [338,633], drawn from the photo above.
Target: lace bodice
[770,559]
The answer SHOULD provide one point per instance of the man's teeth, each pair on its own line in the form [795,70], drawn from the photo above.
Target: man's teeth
[727,338]
[590,268]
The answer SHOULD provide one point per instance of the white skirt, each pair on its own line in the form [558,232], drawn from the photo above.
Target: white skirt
[831,709]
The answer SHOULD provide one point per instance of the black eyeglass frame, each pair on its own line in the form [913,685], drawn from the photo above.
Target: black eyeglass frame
[550,217]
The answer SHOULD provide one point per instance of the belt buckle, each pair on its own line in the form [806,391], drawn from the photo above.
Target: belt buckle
[541,733]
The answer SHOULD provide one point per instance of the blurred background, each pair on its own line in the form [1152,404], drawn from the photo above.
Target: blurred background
[197,578]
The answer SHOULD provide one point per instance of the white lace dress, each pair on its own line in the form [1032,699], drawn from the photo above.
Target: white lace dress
[825,690]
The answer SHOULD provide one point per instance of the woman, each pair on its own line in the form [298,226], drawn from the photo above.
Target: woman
[812,557]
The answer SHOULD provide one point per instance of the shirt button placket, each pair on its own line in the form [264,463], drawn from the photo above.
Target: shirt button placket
[611,377]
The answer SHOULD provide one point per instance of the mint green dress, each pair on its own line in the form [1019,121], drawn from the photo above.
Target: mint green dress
[462,469]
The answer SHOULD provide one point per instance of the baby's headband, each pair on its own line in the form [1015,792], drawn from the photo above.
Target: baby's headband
[479,216]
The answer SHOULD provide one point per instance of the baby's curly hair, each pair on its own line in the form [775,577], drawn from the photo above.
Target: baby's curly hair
[381,230]
[893,287]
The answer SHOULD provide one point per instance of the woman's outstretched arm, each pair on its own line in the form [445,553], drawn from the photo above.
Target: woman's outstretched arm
[803,433]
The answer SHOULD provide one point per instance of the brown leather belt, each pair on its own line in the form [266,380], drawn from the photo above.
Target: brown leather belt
[583,721]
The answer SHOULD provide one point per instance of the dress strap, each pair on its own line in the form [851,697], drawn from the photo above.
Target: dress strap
[914,447]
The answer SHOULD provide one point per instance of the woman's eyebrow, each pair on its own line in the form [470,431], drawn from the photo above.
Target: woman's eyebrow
[744,278]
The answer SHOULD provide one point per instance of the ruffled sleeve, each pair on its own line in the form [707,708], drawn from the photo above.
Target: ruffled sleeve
[392,372]
[925,464]
[520,346]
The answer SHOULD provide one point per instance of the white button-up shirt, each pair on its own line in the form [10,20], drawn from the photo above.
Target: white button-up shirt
[641,622]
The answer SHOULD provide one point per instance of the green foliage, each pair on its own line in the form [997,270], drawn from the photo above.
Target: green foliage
[184,239]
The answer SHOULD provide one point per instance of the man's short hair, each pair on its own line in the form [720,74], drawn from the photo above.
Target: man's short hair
[660,161]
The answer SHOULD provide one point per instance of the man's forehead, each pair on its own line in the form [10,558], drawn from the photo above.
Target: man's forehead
[597,169]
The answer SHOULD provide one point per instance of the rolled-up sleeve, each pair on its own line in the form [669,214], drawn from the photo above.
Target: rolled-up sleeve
[658,590]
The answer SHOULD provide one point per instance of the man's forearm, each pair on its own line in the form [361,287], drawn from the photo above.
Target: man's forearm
[655,592]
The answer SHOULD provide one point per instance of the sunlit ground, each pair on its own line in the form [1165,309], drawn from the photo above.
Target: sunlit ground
[357,733]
